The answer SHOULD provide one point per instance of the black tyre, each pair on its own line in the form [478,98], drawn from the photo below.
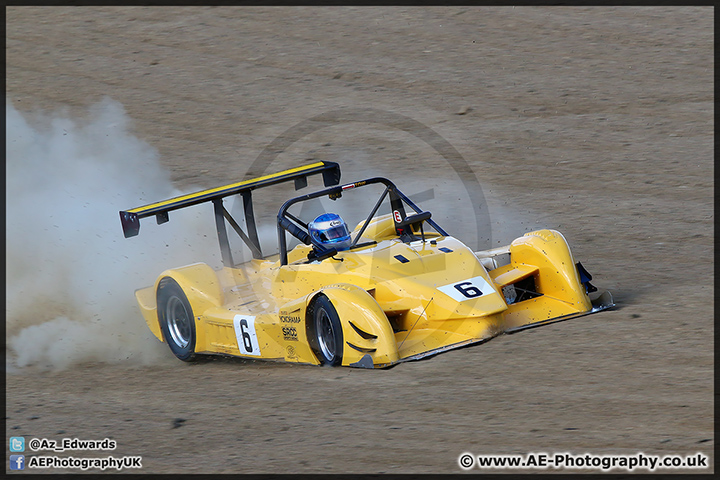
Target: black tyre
[176,319]
[325,331]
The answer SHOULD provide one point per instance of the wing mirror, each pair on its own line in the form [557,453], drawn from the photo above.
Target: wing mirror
[415,220]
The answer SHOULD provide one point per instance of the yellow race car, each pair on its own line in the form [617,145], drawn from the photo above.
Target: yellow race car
[396,288]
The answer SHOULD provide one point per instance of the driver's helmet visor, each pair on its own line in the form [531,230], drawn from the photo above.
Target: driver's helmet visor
[334,233]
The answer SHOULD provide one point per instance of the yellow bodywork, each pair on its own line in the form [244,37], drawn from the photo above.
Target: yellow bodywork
[396,301]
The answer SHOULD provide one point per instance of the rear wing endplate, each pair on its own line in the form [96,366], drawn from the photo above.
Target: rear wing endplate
[130,219]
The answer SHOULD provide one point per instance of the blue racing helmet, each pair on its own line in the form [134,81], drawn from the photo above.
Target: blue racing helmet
[329,230]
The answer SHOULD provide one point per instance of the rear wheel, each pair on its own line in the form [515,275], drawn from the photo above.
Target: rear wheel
[176,319]
[326,331]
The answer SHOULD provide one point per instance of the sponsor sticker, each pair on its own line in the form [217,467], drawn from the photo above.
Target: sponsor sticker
[290,333]
[290,318]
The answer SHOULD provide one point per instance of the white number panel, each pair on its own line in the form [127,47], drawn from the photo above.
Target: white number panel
[246,336]
[467,289]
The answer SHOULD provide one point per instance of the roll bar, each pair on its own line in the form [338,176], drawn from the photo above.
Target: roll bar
[287,222]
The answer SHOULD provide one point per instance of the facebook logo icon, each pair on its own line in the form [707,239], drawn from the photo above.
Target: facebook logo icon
[17,462]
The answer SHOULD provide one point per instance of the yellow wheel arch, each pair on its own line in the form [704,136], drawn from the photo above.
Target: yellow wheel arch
[558,276]
[367,334]
[200,284]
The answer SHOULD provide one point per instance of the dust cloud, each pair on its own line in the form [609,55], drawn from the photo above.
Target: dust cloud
[70,273]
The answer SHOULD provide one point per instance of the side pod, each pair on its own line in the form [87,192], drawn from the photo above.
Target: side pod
[368,338]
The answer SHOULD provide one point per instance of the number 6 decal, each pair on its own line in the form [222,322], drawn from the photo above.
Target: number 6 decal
[247,341]
[467,289]
[245,333]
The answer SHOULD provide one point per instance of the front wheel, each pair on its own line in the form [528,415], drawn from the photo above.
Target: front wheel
[326,331]
[176,319]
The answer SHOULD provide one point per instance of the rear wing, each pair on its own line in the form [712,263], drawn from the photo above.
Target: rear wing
[130,219]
